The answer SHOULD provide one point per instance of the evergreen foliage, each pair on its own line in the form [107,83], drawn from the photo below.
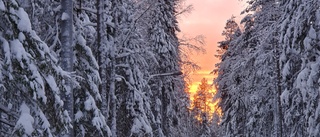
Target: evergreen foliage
[94,75]
[276,91]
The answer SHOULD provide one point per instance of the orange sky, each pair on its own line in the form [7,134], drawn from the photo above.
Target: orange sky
[208,19]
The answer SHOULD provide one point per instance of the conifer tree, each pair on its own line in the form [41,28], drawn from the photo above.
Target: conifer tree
[29,76]
[165,48]
[201,106]
[299,61]
[277,52]
[89,119]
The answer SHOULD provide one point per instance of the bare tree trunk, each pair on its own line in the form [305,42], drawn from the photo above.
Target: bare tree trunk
[67,57]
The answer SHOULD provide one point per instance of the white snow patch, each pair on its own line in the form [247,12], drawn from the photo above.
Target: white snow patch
[52,83]
[67,118]
[307,43]
[21,37]
[285,96]
[45,123]
[312,33]
[83,130]
[25,121]
[78,116]
[2,7]
[99,120]
[81,40]
[38,84]
[24,21]
[18,50]
[6,50]
[96,121]
[58,100]
[139,124]
[131,79]
[65,16]
[317,113]
[118,79]
[67,88]
[301,82]
[9,106]
[301,78]
[89,104]
[286,70]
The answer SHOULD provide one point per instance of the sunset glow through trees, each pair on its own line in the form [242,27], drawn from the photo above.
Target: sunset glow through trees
[203,103]
[200,22]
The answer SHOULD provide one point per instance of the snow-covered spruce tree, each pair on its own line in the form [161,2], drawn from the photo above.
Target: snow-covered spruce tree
[153,66]
[165,48]
[104,42]
[89,120]
[231,91]
[231,31]
[131,69]
[264,110]
[289,39]
[122,65]
[228,81]
[248,109]
[299,58]
[118,56]
[45,16]
[106,38]
[29,74]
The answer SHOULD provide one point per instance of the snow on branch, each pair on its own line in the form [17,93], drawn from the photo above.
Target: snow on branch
[176,73]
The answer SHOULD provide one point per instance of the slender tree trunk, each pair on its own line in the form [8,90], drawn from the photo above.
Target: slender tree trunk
[278,111]
[101,28]
[67,57]
[112,88]
[277,94]
[112,94]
